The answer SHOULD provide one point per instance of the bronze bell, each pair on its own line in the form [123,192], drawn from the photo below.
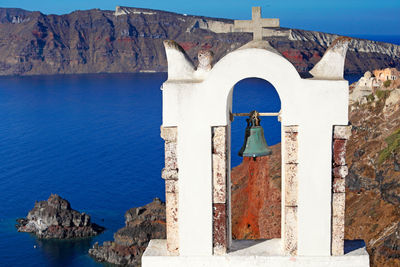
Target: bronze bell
[254,140]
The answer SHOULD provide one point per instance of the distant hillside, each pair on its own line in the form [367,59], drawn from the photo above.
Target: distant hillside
[130,40]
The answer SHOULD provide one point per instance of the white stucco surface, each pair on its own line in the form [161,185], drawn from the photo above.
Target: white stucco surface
[254,254]
[194,106]
[331,65]
[194,101]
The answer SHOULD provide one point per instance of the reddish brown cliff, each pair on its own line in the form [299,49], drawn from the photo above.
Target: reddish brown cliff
[256,197]
[373,183]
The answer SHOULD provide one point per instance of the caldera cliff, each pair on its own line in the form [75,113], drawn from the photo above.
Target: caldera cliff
[130,40]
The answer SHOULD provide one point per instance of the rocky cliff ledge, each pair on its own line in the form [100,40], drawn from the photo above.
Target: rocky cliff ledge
[373,182]
[130,40]
[141,225]
[55,218]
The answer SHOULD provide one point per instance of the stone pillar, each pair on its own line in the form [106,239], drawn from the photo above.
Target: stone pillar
[289,234]
[220,205]
[339,172]
[170,174]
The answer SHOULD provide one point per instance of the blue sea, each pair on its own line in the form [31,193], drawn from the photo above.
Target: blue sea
[94,140]
[393,39]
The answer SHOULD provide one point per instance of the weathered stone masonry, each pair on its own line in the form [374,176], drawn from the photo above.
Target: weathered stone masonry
[289,233]
[170,174]
[221,199]
[339,172]
[220,190]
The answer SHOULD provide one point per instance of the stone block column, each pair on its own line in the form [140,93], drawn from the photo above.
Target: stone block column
[220,205]
[289,234]
[339,172]
[170,174]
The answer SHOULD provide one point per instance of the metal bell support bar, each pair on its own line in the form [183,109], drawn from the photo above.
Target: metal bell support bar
[259,114]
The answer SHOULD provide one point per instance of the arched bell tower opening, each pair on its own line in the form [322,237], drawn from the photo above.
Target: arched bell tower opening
[269,201]
[255,181]
[254,94]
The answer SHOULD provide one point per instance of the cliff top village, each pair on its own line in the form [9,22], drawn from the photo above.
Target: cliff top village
[386,79]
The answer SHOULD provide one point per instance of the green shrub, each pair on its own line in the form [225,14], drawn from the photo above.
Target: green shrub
[387,83]
[382,94]
[370,97]
[393,145]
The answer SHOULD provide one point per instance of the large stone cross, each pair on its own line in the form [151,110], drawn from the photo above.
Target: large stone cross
[256,24]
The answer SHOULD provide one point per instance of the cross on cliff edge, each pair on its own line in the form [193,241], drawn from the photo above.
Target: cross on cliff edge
[255,25]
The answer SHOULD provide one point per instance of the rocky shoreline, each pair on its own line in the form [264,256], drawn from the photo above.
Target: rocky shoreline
[54,218]
[141,225]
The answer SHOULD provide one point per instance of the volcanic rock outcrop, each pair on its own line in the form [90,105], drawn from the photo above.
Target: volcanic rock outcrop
[55,218]
[130,40]
[141,225]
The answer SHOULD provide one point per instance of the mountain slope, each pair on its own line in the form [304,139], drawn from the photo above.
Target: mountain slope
[94,41]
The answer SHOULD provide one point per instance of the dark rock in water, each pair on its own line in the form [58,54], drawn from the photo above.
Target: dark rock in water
[55,218]
[141,225]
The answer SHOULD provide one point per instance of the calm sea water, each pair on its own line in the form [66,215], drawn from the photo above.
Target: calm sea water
[393,39]
[94,140]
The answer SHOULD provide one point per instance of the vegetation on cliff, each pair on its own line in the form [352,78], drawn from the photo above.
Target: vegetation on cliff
[373,183]
[393,146]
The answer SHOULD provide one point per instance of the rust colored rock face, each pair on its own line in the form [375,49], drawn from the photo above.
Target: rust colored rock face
[256,197]
[188,45]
